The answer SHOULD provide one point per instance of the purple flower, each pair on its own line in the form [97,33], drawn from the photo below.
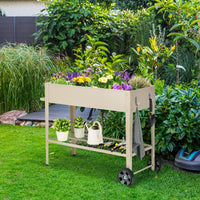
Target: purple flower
[116,86]
[124,86]
[124,75]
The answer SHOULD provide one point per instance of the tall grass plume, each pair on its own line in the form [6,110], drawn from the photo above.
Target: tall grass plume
[22,72]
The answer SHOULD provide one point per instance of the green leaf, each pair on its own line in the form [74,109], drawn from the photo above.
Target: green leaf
[101,43]
[194,22]
[103,48]
[175,26]
[194,43]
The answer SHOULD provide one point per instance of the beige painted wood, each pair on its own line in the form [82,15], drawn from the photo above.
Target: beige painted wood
[47,125]
[123,101]
[142,169]
[99,98]
[73,145]
[72,118]
[153,137]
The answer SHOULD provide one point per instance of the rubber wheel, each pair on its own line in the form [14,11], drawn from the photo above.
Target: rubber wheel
[126,176]
[158,163]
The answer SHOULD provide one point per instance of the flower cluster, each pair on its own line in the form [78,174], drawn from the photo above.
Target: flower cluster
[104,79]
[92,78]
[81,80]
[124,86]
[60,78]
[126,76]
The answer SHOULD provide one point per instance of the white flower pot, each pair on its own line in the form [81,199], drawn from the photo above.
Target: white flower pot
[79,132]
[62,136]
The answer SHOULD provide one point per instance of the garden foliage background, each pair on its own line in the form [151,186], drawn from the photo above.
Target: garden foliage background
[158,40]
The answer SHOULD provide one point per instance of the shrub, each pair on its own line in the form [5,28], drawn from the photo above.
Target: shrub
[22,72]
[67,24]
[178,119]
[126,4]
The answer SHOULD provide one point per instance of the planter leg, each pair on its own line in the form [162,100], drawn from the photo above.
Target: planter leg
[47,130]
[129,130]
[72,118]
[153,137]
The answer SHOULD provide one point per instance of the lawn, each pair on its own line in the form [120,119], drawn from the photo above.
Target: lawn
[88,175]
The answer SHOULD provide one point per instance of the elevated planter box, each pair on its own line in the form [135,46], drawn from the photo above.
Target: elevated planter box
[106,99]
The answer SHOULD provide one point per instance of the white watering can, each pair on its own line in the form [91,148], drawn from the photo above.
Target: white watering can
[95,136]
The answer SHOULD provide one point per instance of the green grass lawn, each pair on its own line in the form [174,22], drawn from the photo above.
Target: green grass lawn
[88,175]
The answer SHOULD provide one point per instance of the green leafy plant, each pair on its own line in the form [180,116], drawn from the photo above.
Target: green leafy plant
[114,124]
[23,70]
[184,18]
[96,57]
[79,122]
[67,24]
[62,125]
[151,58]
[178,119]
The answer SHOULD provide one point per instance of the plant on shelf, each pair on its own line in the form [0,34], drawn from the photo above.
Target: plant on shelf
[79,127]
[62,126]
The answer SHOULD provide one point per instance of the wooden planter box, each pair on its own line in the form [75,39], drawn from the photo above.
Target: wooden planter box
[106,99]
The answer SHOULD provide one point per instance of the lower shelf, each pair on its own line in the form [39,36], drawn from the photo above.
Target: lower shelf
[54,141]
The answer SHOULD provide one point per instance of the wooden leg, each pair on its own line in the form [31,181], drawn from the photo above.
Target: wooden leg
[153,140]
[47,130]
[72,118]
[129,138]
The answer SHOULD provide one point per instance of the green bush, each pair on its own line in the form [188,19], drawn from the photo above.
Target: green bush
[126,4]
[67,24]
[178,119]
[22,72]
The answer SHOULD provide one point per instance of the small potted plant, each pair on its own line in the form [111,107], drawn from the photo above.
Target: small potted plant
[62,126]
[79,127]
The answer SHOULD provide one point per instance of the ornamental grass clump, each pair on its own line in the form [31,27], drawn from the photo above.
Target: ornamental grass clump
[139,82]
[22,72]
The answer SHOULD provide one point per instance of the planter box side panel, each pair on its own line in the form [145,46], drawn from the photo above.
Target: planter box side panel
[87,97]
[142,96]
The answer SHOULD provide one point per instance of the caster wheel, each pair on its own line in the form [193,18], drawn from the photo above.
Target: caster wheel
[158,163]
[126,176]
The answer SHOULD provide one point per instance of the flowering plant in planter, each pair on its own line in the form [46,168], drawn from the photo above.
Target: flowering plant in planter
[81,81]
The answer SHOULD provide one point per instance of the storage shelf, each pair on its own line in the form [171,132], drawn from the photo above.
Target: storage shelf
[54,141]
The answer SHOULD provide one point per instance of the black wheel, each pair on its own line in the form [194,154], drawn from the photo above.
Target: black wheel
[158,163]
[126,176]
